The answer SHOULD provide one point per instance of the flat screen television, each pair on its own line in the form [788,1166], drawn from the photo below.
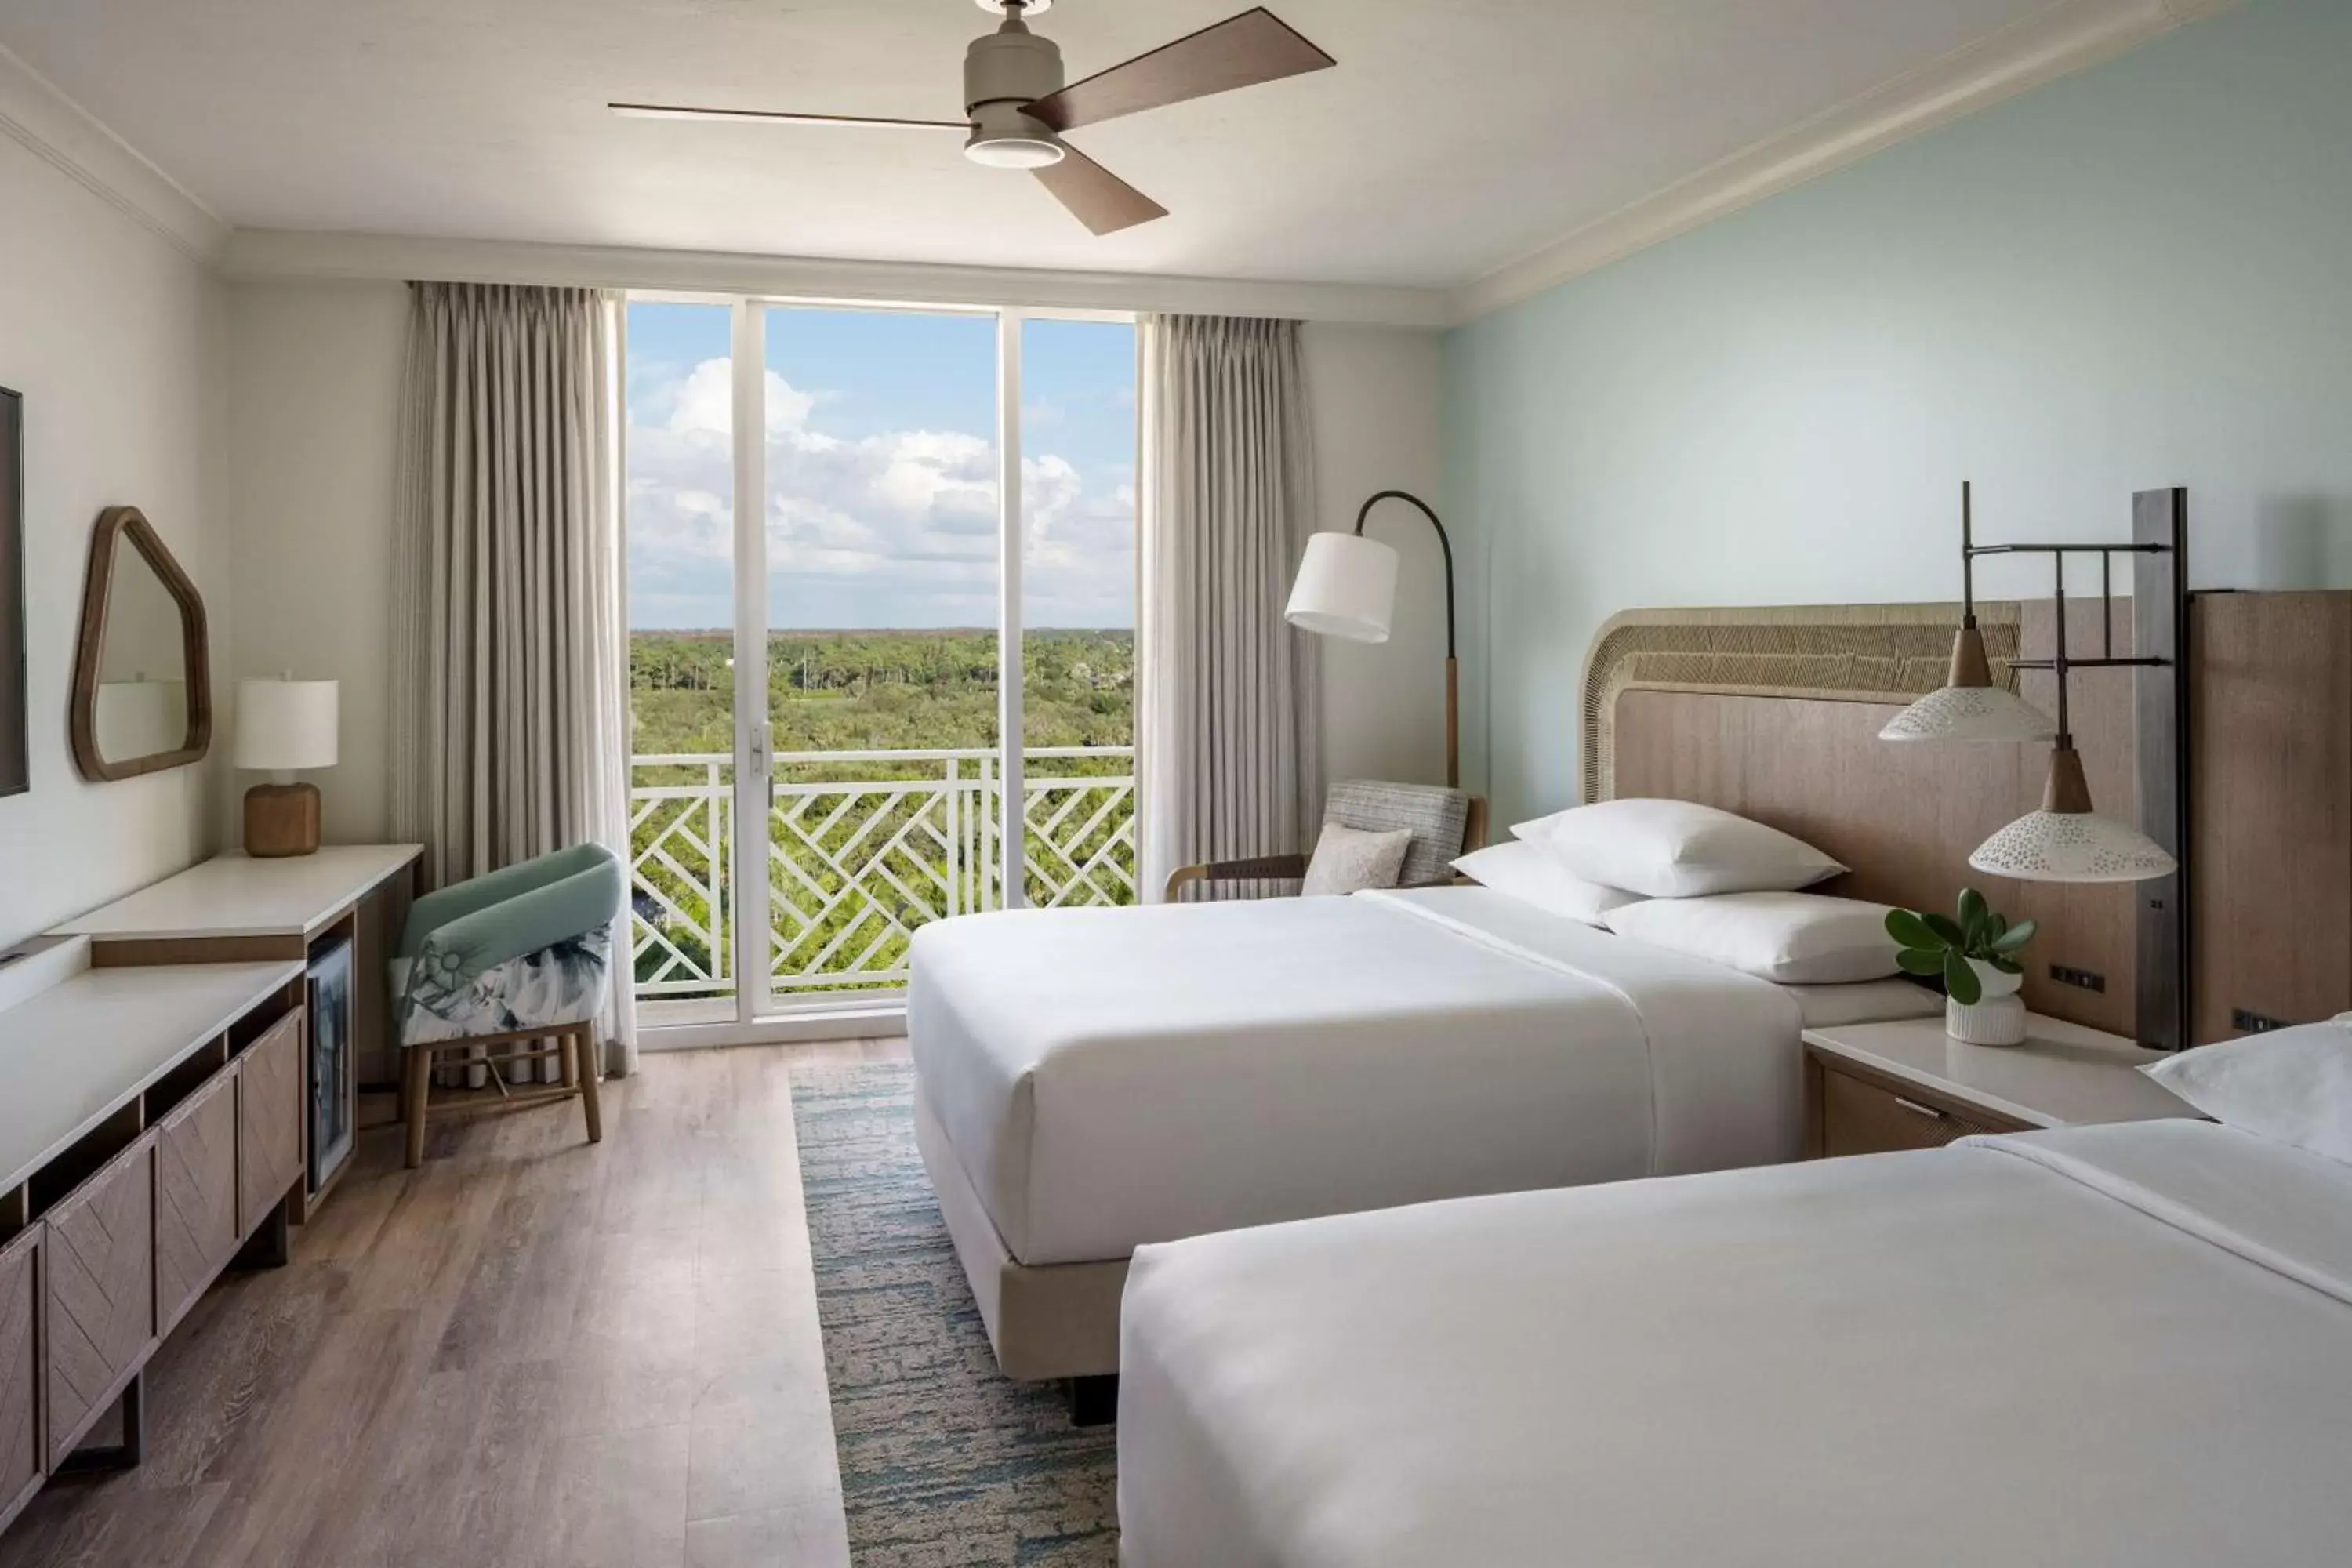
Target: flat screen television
[16,757]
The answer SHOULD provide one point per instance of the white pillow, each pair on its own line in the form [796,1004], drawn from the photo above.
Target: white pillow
[1795,938]
[2290,1085]
[1533,873]
[1348,859]
[1677,849]
[1535,830]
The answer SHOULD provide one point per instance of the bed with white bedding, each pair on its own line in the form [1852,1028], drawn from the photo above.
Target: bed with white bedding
[1093,1080]
[2112,1345]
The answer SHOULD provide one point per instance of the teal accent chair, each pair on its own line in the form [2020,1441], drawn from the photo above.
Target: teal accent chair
[511,960]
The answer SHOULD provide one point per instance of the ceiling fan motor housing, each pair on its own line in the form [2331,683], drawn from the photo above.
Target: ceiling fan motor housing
[1012,65]
[1004,73]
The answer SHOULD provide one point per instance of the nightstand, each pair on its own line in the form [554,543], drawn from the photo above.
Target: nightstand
[1872,1089]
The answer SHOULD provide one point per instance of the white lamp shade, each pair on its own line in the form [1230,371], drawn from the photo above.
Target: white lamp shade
[1971,713]
[283,725]
[2072,846]
[1346,588]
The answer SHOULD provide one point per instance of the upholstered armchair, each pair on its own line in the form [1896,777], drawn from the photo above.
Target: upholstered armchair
[513,959]
[1445,824]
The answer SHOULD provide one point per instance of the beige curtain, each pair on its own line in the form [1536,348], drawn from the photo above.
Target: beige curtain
[1229,751]
[509,655]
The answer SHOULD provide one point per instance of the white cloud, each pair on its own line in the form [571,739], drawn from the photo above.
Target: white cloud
[894,528]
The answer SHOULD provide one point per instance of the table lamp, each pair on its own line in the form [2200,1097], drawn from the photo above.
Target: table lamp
[284,726]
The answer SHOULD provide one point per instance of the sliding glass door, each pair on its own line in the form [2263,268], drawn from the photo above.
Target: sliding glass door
[898,685]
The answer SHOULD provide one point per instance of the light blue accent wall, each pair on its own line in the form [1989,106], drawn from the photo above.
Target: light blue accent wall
[2135,276]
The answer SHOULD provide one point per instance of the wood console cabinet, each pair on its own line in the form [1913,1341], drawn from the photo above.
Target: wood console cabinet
[269,1119]
[196,1194]
[235,909]
[152,1133]
[98,1304]
[22,1467]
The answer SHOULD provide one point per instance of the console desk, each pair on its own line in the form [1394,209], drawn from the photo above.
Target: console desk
[233,908]
[151,1132]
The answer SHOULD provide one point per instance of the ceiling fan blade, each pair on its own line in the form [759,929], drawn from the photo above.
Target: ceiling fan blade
[775,117]
[1096,197]
[1242,51]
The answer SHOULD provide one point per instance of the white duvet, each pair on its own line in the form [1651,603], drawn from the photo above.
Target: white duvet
[2118,1346]
[1112,1078]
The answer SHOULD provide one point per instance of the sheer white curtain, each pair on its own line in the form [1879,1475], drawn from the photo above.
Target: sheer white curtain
[510,650]
[1229,724]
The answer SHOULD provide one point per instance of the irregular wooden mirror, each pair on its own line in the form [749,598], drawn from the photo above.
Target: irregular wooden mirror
[143,696]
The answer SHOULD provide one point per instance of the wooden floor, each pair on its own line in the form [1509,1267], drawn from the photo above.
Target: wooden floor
[529,1353]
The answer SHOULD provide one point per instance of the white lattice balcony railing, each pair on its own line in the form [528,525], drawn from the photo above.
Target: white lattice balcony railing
[864,848]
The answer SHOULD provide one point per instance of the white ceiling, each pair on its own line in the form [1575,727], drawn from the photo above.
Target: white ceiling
[1455,136]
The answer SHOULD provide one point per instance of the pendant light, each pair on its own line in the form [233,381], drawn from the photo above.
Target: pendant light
[1968,706]
[2067,840]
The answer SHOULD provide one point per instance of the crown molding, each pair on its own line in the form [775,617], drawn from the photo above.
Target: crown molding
[2067,38]
[256,254]
[61,131]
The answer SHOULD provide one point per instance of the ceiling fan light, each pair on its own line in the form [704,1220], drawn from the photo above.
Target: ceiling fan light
[1013,149]
[1004,138]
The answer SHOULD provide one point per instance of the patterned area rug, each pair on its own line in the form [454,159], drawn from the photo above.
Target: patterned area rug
[944,1461]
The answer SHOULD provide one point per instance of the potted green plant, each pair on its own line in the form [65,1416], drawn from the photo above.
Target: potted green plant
[1975,956]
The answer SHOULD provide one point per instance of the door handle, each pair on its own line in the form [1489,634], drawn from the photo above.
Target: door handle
[760,741]
[1913,1106]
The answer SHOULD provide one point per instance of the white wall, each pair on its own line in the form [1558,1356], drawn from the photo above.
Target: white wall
[113,335]
[2129,279]
[313,397]
[1375,401]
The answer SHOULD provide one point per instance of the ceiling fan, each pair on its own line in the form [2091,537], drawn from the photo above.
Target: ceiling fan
[1017,106]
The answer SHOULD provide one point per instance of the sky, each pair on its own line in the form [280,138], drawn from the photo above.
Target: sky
[882,470]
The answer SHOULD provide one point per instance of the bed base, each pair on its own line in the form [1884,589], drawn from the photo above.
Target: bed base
[1094,1401]
[1046,1324]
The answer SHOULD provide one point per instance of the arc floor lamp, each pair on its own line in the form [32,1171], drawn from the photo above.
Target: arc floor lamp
[1347,589]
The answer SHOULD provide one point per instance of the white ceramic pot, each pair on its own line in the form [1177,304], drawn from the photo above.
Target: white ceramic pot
[1998,1018]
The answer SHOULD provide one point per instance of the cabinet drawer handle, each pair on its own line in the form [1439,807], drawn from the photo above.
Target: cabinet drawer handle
[1916,1109]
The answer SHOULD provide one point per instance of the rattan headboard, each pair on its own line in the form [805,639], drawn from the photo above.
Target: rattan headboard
[1837,653]
[1774,713]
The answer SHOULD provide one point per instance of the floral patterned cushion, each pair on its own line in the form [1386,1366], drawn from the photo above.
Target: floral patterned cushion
[560,984]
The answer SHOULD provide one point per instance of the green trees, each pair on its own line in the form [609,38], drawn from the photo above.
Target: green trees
[874,691]
[869,691]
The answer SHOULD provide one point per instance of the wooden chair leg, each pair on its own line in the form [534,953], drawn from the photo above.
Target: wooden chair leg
[584,1048]
[570,1046]
[416,1071]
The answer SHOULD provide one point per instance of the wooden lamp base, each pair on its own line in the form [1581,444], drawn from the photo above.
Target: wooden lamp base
[281,820]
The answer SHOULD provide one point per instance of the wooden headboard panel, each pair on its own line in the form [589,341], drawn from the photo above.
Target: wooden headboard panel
[1775,714]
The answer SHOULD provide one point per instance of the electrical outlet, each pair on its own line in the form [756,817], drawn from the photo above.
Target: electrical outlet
[2247,1023]
[2081,979]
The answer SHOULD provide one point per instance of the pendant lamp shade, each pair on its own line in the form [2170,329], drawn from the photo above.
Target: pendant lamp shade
[1971,713]
[2071,846]
[2066,841]
[1346,588]
[1968,706]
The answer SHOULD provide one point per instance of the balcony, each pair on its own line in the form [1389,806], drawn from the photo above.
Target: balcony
[864,849]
